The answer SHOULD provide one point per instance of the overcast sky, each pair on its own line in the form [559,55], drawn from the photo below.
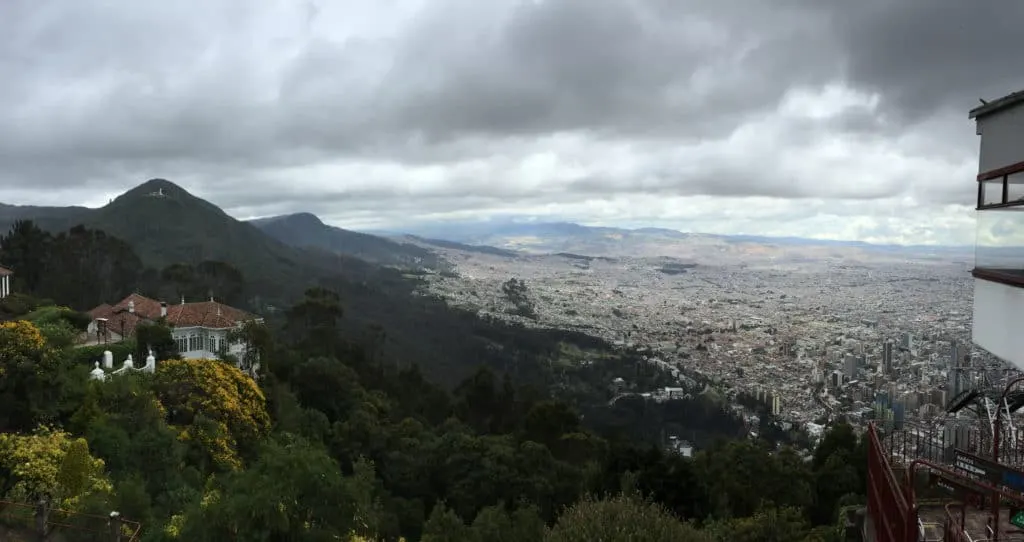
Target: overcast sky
[826,118]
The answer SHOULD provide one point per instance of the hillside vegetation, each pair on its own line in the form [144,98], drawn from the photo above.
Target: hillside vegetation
[306,230]
[334,442]
[181,245]
[378,414]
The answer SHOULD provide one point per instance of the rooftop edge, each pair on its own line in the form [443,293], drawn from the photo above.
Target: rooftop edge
[988,108]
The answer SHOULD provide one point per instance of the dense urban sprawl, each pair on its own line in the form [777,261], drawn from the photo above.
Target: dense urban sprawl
[872,340]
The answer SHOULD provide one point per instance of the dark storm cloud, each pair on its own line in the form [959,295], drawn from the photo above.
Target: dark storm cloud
[230,96]
[112,87]
[923,56]
[626,68]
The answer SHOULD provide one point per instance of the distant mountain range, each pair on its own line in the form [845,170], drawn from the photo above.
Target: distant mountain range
[562,237]
[160,219]
[281,257]
[307,230]
[165,224]
[416,247]
[455,245]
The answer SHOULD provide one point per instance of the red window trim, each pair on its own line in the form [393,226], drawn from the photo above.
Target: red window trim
[1001,172]
[993,275]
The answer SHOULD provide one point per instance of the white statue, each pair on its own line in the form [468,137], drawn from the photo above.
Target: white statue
[150,366]
[97,373]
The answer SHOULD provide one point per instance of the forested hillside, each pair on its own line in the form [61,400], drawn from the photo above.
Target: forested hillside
[336,442]
[377,415]
[306,230]
[182,245]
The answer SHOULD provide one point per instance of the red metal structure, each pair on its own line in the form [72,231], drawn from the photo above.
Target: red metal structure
[896,515]
[892,517]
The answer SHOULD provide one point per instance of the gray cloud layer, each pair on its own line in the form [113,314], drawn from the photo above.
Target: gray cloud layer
[360,109]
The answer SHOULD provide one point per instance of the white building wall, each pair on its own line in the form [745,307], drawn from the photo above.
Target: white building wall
[201,343]
[1002,139]
[998,311]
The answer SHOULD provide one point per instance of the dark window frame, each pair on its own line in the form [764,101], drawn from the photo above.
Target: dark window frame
[995,275]
[1002,174]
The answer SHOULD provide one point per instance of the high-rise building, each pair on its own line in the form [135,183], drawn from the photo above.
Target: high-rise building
[956,354]
[958,371]
[850,367]
[899,412]
[887,357]
[907,342]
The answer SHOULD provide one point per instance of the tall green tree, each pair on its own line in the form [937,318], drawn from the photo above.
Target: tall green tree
[294,491]
[498,524]
[623,518]
[444,525]
[25,249]
[209,278]
[158,337]
[768,524]
[313,322]
[32,378]
[86,268]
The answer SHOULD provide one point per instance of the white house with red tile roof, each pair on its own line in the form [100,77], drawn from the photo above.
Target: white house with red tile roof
[200,329]
[5,282]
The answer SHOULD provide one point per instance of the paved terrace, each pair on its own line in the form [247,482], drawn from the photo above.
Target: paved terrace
[933,517]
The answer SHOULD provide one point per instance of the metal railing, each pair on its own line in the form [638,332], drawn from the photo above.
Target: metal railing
[932,442]
[43,521]
[925,531]
[954,531]
[894,516]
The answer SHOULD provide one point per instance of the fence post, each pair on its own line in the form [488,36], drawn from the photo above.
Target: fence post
[42,516]
[115,526]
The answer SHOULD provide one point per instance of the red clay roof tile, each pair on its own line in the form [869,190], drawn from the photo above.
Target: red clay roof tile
[210,314]
[206,314]
[124,323]
[102,311]
[144,306]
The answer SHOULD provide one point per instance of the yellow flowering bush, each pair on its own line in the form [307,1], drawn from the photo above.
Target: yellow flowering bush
[173,527]
[20,340]
[51,461]
[215,439]
[218,406]
[23,334]
[20,336]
